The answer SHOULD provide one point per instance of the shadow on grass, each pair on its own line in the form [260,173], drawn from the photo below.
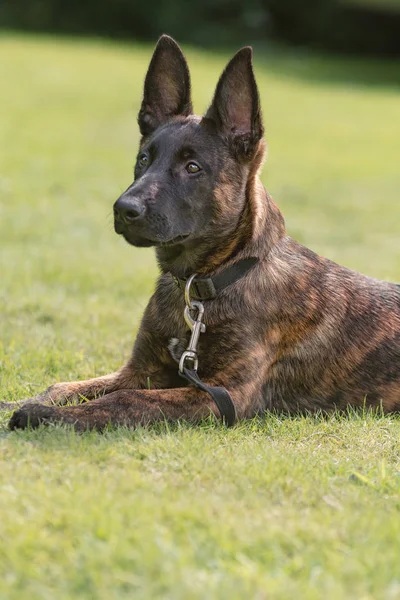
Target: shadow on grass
[270,425]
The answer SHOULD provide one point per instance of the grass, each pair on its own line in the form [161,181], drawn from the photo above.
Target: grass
[274,508]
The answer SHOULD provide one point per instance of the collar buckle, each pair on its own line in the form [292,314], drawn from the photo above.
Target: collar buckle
[200,288]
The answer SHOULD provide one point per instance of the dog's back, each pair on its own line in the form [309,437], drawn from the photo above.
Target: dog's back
[337,332]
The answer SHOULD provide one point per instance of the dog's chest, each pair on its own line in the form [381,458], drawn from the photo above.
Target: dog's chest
[181,336]
[176,347]
[176,333]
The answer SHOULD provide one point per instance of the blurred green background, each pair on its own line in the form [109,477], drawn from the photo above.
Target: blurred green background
[369,26]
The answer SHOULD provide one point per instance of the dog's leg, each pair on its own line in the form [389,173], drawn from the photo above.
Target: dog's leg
[129,408]
[150,362]
[61,393]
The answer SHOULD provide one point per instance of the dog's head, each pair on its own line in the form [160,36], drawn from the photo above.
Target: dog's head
[191,173]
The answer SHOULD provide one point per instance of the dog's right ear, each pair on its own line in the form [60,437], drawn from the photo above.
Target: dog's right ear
[166,87]
[235,109]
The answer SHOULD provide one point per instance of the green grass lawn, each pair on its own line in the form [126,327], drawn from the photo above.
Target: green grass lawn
[273,508]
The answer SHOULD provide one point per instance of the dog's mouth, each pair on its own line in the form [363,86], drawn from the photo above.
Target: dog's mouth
[179,239]
[137,240]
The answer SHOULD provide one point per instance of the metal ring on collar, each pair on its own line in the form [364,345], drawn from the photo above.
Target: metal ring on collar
[187,290]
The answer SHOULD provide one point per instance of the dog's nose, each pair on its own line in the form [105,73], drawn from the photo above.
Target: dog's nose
[128,209]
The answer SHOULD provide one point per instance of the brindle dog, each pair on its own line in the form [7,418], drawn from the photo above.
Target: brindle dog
[296,332]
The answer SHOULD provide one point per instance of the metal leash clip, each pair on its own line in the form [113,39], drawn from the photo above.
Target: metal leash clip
[195,325]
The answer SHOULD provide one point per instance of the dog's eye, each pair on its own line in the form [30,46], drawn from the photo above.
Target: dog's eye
[143,160]
[192,168]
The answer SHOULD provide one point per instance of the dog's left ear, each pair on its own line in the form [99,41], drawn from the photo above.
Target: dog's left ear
[236,109]
[166,87]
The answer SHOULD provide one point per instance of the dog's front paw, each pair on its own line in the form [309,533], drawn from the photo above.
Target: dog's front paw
[32,415]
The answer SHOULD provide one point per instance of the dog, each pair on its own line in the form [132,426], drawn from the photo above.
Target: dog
[285,329]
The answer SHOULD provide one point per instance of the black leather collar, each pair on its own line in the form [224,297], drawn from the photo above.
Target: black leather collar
[207,288]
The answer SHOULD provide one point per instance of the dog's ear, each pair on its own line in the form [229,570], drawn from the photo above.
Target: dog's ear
[166,87]
[236,109]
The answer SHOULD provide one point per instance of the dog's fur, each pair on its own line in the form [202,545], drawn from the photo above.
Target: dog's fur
[298,332]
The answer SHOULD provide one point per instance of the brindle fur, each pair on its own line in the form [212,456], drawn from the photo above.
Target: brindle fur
[298,332]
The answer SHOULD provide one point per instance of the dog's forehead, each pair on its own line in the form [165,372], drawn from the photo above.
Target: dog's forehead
[189,132]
